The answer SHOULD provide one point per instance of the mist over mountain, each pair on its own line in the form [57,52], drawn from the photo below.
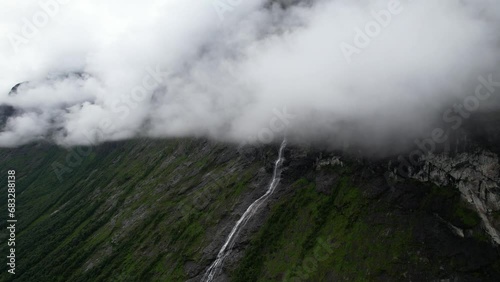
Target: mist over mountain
[366,73]
[264,140]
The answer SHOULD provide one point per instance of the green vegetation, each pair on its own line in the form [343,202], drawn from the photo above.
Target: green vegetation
[345,236]
[118,210]
[144,210]
[452,208]
[313,237]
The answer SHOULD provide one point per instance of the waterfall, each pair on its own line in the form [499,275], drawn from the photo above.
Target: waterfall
[252,209]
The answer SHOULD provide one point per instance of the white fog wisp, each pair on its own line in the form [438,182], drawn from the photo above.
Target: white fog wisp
[252,209]
[173,68]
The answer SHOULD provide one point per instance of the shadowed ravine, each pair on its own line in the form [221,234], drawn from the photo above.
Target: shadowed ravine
[252,209]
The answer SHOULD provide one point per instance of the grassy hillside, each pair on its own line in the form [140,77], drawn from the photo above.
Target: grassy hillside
[147,210]
[358,234]
[127,211]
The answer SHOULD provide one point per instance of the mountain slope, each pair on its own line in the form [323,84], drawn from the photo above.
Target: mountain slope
[147,210]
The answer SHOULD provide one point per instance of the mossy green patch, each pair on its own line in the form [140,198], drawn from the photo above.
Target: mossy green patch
[313,237]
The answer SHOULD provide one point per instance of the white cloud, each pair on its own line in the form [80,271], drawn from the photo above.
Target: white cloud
[222,79]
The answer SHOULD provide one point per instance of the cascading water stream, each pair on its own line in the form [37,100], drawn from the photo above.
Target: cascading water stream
[252,209]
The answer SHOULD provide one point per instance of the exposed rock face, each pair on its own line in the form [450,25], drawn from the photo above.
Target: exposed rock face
[469,162]
[465,170]
[430,208]
[13,90]
[477,175]
[5,113]
[173,203]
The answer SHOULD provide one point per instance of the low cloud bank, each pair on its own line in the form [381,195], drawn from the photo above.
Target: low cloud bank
[368,74]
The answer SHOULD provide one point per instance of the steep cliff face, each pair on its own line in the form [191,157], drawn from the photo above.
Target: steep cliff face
[5,113]
[476,175]
[160,210]
[355,223]
[469,162]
